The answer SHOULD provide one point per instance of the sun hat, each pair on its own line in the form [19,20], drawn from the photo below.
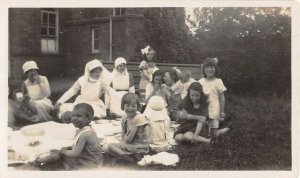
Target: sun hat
[29,65]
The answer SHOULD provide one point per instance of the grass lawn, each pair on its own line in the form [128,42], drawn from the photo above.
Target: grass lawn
[260,139]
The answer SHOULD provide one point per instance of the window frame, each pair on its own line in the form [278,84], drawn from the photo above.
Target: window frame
[94,50]
[48,26]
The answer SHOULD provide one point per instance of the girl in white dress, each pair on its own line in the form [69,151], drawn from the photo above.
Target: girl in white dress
[122,83]
[91,85]
[147,68]
[214,88]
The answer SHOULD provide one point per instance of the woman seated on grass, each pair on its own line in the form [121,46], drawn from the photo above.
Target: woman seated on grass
[122,83]
[193,116]
[91,86]
[35,91]
[135,131]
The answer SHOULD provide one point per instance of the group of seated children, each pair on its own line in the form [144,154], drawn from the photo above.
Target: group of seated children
[171,95]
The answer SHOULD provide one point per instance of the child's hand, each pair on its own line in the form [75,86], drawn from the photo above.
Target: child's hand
[63,150]
[222,115]
[37,79]
[201,118]
[56,106]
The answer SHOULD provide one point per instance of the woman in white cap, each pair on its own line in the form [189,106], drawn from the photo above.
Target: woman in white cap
[122,83]
[91,86]
[36,91]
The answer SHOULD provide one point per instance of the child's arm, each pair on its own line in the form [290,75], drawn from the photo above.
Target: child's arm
[128,137]
[77,148]
[198,128]
[185,115]
[222,104]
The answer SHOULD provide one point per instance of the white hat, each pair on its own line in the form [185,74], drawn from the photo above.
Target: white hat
[156,109]
[29,65]
[120,60]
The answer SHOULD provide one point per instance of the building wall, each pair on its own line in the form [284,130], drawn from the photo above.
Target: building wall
[74,39]
[25,44]
[127,33]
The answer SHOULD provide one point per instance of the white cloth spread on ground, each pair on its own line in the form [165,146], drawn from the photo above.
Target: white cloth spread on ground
[56,136]
[164,158]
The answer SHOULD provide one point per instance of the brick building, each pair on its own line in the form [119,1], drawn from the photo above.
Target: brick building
[62,40]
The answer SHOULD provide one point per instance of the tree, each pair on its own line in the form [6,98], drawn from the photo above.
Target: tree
[167,33]
[254,45]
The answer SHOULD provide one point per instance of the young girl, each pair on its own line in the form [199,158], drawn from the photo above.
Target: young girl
[173,100]
[147,68]
[122,82]
[135,130]
[91,86]
[193,115]
[156,88]
[36,91]
[182,85]
[159,123]
[214,88]
[86,151]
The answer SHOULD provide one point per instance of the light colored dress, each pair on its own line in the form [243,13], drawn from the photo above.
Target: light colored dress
[182,88]
[213,88]
[122,83]
[161,92]
[140,143]
[91,155]
[150,68]
[90,91]
[39,94]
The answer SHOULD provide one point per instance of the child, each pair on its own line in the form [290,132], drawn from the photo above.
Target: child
[214,88]
[159,123]
[135,131]
[156,88]
[36,91]
[86,150]
[182,85]
[147,68]
[173,100]
[193,115]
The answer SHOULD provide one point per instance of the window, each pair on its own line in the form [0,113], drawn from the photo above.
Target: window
[118,11]
[49,30]
[95,40]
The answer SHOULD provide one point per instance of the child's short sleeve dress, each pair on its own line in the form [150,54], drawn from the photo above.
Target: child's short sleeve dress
[213,88]
[141,140]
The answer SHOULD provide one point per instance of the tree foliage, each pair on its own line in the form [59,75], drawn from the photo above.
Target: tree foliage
[254,45]
[167,32]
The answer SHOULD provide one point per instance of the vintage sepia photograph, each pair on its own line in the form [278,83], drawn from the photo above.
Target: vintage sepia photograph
[170,88]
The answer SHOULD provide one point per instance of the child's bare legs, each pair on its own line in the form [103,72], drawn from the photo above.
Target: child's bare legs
[115,149]
[214,128]
[190,136]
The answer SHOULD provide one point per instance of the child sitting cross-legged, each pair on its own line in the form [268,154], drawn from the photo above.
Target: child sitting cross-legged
[135,132]
[86,151]
[193,116]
